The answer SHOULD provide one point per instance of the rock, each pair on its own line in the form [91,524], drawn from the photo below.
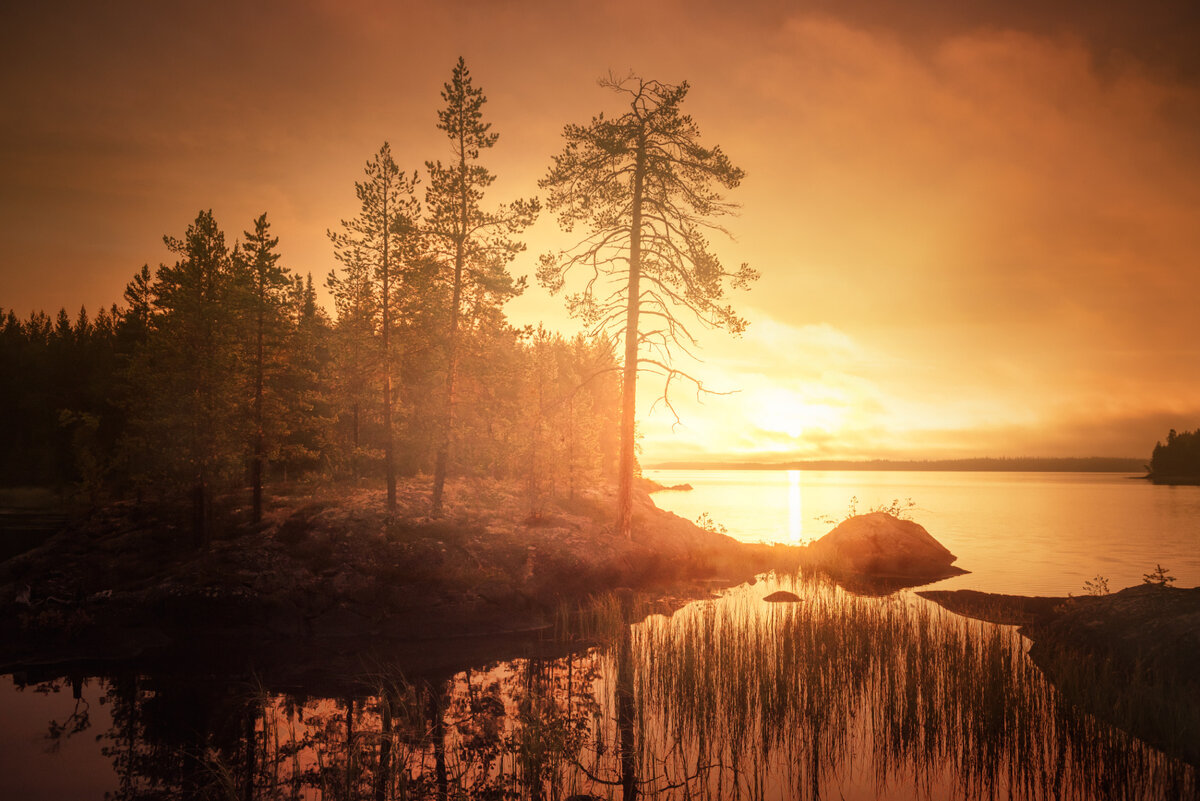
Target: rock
[1007,610]
[1145,628]
[1129,658]
[782,596]
[882,546]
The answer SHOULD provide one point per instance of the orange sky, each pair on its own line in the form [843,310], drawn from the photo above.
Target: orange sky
[978,224]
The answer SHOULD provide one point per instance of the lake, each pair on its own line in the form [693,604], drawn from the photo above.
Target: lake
[838,696]
[1020,533]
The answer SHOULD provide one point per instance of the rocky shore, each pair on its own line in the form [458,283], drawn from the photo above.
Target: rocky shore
[1129,657]
[330,566]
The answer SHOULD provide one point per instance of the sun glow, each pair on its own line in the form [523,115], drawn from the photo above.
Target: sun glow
[785,411]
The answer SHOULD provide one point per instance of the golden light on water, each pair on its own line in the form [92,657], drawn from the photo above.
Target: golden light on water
[795,507]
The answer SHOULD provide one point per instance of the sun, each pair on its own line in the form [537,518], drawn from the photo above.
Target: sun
[787,412]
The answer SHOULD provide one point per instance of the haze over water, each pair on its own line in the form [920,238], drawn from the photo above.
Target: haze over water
[1022,533]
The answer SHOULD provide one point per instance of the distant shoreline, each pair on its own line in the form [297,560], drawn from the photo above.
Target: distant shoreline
[1090,464]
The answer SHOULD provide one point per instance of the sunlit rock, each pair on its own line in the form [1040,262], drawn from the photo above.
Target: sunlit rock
[883,546]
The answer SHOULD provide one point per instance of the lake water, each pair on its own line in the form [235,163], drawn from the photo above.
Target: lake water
[1021,533]
[839,696]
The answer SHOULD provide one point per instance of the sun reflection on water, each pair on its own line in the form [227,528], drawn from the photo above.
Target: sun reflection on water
[795,509]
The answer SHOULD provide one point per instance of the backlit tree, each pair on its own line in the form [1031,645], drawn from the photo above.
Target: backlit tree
[646,193]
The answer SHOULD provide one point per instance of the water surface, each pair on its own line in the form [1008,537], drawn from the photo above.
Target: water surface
[1022,533]
[838,696]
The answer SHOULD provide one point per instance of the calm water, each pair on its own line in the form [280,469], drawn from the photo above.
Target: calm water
[1024,533]
[837,697]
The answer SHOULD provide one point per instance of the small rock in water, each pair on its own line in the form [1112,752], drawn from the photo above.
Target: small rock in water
[782,596]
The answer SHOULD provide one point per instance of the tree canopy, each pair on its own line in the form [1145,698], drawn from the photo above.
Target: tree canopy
[647,194]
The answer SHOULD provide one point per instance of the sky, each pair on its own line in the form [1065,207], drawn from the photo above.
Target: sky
[977,223]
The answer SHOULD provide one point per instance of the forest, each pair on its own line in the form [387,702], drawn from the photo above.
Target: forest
[1178,457]
[222,371]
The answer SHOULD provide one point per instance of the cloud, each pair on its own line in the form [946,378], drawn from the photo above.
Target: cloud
[975,221]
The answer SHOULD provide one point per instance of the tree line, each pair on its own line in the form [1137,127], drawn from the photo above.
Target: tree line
[223,371]
[1178,457]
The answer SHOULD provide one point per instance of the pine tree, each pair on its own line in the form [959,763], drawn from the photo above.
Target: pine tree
[475,246]
[386,236]
[647,191]
[307,416]
[355,352]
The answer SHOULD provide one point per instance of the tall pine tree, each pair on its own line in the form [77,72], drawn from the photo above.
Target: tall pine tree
[385,235]
[474,246]
[647,191]
[186,373]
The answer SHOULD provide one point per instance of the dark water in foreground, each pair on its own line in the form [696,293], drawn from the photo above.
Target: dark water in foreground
[838,696]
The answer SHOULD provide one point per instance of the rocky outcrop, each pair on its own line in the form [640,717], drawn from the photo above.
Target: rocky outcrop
[1129,657]
[335,564]
[1147,628]
[1007,610]
[881,546]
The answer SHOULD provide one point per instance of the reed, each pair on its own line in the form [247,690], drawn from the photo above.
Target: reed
[836,695]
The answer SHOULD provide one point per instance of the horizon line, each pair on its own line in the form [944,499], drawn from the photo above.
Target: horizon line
[1048,464]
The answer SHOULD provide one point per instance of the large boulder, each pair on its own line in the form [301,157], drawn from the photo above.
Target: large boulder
[880,545]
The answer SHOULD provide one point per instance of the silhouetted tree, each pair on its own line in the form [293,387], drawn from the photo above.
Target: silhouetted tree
[475,246]
[185,376]
[1178,457]
[646,191]
[383,235]
[265,284]
[306,405]
[355,353]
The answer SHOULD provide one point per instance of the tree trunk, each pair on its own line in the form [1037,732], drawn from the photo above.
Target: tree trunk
[354,457]
[260,450]
[629,376]
[443,452]
[389,460]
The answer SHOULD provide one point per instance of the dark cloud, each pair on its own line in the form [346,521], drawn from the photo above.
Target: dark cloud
[1159,33]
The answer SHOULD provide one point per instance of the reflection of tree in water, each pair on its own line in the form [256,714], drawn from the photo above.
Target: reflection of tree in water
[836,694]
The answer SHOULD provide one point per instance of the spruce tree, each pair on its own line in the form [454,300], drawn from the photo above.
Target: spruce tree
[185,374]
[264,285]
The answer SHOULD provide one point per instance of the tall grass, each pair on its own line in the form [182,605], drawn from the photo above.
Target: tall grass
[834,696]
